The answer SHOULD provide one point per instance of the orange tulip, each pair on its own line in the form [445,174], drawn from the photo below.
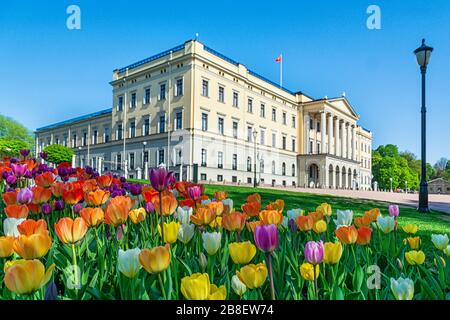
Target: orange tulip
[41,195]
[203,216]
[373,214]
[16,211]
[70,231]
[97,197]
[251,209]
[9,197]
[29,227]
[277,205]
[216,207]
[270,217]
[137,215]
[155,260]
[72,193]
[33,246]
[305,223]
[92,216]
[364,235]
[148,193]
[45,179]
[89,185]
[169,203]
[34,208]
[234,221]
[57,189]
[363,221]
[316,216]
[104,181]
[347,235]
[220,195]
[6,246]
[117,210]
[251,226]
[254,198]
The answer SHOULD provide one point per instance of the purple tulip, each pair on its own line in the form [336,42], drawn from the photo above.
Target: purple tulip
[149,207]
[11,179]
[135,189]
[292,225]
[28,174]
[314,252]
[89,170]
[59,205]
[19,169]
[394,210]
[77,208]
[62,172]
[46,209]
[266,237]
[24,196]
[161,178]
[51,292]
[14,160]
[24,152]
[5,175]
[122,180]
[43,155]
[194,192]
[119,234]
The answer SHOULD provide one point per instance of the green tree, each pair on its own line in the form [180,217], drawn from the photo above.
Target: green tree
[58,153]
[11,147]
[13,130]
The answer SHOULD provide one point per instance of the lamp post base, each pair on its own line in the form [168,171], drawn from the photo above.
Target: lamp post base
[423,198]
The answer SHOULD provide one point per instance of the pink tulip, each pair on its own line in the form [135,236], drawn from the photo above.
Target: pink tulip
[394,210]
[314,252]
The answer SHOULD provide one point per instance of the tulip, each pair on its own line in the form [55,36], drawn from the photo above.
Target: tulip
[325,208]
[238,286]
[394,210]
[170,231]
[104,181]
[216,207]
[307,271]
[59,205]
[202,261]
[386,224]
[242,252]
[291,216]
[169,204]
[347,235]
[251,209]
[183,214]
[149,207]
[33,246]
[440,262]
[24,196]
[16,211]
[43,155]
[278,205]
[251,226]
[117,210]
[266,237]
[70,231]
[256,197]
[320,227]
[9,197]
[26,276]
[403,289]
[41,195]
[216,223]
[415,257]
[447,251]
[128,262]
[364,235]
[6,246]
[45,179]
[271,217]
[414,242]
[24,152]
[29,227]
[72,193]
[203,216]
[440,241]
[46,208]
[10,227]
[137,215]
[305,223]
[253,276]
[186,232]
[194,192]
[344,218]
[332,252]
[410,229]
[155,260]
[372,215]
[97,197]
[160,179]
[211,242]
[92,216]
[228,205]
[196,286]
[220,195]
[314,252]
[217,293]
[234,221]
[18,169]
[11,180]
[363,221]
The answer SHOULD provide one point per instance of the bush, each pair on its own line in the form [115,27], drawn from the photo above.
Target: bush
[58,153]
[11,147]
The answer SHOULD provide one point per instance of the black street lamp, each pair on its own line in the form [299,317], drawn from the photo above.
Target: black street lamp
[255,133]
[423,54]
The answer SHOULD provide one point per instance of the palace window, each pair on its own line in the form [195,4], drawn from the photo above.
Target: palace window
[205,88]
[262,136]
[94,137]
[132,161]
[162,124]
[293,170]
[119,132]
[203,164]
[235,129]
[273,167]
[293,121]
[119,161]
[204,121]
[235,99]
[120,103]
[179,120]
[133,100]
[262,111]
[283,169]
[220,125]
[293,145]
[249,134]
[220,160]
[161,156]
[221,94]
[132,129]
[274,114]
[147,96]
[284,143]
[146,130]
[284,118]
[162,91]
[250,106]
[179,87]
[249,164]
[234,162]
[274,140]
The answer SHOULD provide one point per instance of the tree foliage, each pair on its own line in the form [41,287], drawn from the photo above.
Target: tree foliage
[11,147]
[58,153]
[13,130]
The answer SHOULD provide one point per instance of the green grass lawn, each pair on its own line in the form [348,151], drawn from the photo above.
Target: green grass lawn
[428,223]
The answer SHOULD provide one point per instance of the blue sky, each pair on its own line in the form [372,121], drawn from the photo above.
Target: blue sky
[50,73]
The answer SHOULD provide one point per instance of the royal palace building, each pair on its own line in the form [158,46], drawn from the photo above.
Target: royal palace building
[210,118]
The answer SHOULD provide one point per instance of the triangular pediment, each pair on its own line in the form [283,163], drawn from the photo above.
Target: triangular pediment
[343,105]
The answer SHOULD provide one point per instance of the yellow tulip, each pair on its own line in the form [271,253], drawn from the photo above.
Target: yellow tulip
[217,293]
[137,215]
[325,208]
[410,228]
[253,276]
[242,252]
[26,276]
[196,286]
[414,242]
[320,227]
[33,246]
[170,231]
[415,257]
[332,252]
[307,271]
[6,246]
[155,260]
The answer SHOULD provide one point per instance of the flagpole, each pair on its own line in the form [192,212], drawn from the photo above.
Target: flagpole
[281,71]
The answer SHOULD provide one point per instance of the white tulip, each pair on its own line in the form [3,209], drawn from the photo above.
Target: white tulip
[211,242]
[344,218]
[440,241]
[186,232]
[229,203]
[184,214]
[291,215]
[128,262]
[403,289]
[10,226]
[238,286]
[206,202]
[386,224]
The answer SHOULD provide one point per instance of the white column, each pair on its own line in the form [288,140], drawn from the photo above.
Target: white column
[353,143]
[330,134]
[337,145]
[73,161]
[146,170]
[349,142]
[307,119]
[100,165]
[323,124]
[344,140]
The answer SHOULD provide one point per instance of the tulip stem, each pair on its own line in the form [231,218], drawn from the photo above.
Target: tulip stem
[316,291]
[162,217]
[272,288]
[75,267]
[161,284]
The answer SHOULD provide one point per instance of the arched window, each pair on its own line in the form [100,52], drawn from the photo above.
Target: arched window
[261,165]
[249,164]
[293,170]
[273,167]
[283,169]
